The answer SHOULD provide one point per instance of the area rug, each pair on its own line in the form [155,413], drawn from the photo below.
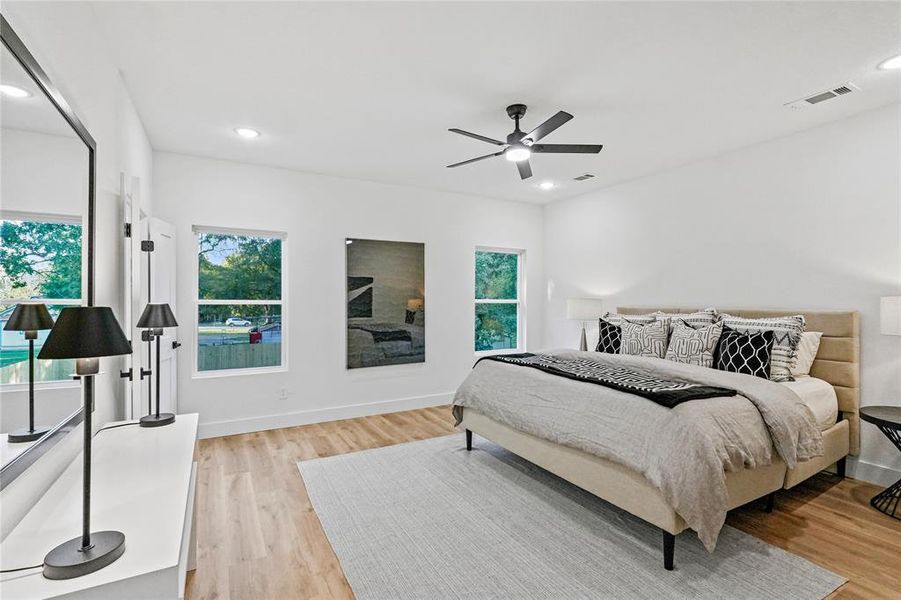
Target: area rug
[430,520]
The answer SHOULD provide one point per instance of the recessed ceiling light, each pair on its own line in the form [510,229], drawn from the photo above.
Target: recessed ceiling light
[547,185]
[13,91]
[890,64]
[247,133]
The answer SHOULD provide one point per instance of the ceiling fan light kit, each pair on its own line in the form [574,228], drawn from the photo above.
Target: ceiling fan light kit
[520,146]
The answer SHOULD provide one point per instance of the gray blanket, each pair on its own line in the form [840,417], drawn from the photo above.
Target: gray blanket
[684,451]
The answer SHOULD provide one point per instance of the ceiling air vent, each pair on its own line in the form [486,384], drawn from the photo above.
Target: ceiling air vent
[835,92]
[583,177]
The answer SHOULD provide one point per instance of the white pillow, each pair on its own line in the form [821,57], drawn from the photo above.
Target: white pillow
[807,351]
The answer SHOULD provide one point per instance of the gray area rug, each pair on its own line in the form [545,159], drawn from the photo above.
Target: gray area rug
[430,520]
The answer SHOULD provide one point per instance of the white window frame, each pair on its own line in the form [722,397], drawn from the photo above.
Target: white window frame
[283,367]
[520,300]
[14,215]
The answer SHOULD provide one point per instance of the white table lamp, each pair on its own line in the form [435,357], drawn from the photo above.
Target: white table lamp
[584,309]
[890,315]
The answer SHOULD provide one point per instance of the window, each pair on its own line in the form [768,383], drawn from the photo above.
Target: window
[42,262]
[498,301]
[240,295]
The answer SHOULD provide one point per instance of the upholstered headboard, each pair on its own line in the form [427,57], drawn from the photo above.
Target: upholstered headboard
[837,360]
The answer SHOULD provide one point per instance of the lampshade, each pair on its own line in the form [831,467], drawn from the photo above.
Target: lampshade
[584,309]
[29,316]
[85,332]
[156,316]
[890,315]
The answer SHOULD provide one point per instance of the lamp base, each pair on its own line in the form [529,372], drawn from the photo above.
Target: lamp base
[157,421]
[68,560]
[24,435]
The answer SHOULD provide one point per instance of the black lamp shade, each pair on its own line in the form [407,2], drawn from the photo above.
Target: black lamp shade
[156,316]
[29,316]
[85,332]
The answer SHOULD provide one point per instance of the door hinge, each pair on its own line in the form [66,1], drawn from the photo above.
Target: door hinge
[128,230]
[146,245]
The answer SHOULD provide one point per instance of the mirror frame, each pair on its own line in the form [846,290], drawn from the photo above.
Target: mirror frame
[20,52]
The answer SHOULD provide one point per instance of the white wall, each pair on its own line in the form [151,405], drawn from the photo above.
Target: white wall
[65,39]
[317,213]
[807,221]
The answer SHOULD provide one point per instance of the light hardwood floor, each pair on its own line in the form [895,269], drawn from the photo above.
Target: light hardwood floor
[258,536]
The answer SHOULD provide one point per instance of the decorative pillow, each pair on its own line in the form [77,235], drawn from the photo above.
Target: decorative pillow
[617,319]
[787,335]
[748,353]
[644,340]
[693,346]
[695,320]
[609,337]
[807,351]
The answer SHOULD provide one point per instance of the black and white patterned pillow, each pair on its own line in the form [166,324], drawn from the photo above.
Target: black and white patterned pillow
[786,335]
[699,319]
[693,346]
[644,340]
[609,337]
[748,353]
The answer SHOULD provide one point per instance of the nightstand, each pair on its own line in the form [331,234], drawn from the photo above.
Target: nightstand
[888,420]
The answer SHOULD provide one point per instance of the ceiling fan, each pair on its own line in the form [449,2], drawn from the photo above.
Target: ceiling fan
[520,146]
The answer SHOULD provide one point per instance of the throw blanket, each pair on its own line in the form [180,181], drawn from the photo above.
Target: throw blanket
[661,391]
[684,451]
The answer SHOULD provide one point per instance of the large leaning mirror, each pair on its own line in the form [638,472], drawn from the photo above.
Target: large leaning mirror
[46,262]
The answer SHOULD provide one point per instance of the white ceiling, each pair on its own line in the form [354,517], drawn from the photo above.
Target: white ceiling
[368,90]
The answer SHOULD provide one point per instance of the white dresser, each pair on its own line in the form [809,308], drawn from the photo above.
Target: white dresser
[143,485]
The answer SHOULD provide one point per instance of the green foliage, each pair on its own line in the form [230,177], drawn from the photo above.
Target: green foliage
[496,275]
[40,259]
[239,267]
[495,326]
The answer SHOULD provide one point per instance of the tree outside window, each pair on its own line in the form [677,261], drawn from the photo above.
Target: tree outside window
[40,261]
[498,302]
[239,301]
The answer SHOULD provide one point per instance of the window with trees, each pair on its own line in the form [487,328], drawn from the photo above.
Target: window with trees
[40,261]
[499,300]
[240,295]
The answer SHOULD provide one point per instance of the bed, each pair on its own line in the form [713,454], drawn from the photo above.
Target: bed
[836,364]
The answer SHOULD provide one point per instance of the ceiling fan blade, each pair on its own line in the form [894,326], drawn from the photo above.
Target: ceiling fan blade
[478,137]
[567,148]
[548,126]
[472,160]
[525,169]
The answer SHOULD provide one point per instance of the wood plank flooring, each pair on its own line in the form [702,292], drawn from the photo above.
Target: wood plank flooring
[258,536]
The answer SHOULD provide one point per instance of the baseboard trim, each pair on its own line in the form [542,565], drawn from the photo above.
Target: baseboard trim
[320,415]
[872,472]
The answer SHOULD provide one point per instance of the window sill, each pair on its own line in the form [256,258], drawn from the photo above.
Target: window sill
[237,372]
[40,385]
[484,353]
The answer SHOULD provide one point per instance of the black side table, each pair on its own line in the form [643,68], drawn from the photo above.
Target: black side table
[888,420]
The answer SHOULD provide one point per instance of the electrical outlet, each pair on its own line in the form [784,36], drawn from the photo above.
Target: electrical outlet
[283,393]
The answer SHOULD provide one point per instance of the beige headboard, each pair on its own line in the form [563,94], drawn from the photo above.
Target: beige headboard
[837,361]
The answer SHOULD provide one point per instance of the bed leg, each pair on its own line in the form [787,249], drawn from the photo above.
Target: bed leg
[468,440]
[841,467]
[669,549]
[770,502]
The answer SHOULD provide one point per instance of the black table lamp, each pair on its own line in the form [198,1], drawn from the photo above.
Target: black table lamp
[29,317]
[156,317]
[85,333]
